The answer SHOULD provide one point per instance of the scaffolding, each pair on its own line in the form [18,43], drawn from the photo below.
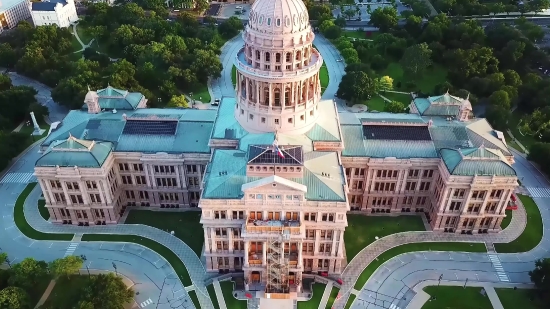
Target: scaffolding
[277,265]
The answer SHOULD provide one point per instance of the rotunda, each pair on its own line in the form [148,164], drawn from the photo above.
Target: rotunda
[278,85]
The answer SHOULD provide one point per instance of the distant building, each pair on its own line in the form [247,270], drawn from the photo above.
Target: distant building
[53,12]
[12,12]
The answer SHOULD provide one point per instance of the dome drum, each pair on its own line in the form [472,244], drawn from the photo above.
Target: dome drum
[278,17]
[313,66]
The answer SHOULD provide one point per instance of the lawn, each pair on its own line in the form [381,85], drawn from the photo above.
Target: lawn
[323,77]
[432,77]
[360,34]
[166,253]
[202,94]
[532,234]
[406,99]
[423,246]
[333,294]
[185,225]
[376,103]
[230,301]
[506,221]
[362,230]
[315,300]
[28,129]
[24,227]
[84,36]
[66,291]
[43,210]
[212,295]
[512,143]
[456,297]
[194,299]
[520,298]
[350,301]
[513,125]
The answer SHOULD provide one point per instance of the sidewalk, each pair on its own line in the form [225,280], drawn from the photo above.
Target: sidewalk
[371,252]
[422,297]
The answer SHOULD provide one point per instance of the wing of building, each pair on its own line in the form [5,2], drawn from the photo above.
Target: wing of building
[276,168]
[12,12]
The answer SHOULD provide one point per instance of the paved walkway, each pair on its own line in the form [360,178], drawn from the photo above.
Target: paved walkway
[326,295]
[371,252]
[422,297]
[517,141]
[46,294]
[193,264]
[219,294]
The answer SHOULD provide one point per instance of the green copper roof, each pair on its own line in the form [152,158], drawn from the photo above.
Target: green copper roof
[475,161]
[225,175]
[318,133]
[75,152]
[112,98]
[443,105]
[227,127]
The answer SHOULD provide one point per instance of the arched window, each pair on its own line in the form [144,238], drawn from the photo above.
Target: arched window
[266,96]
[304,92]
[267,56]
[257,55]
[287,97]
[298,55]
[250,92]
[278,57]
[288,57]
[243,88]
[277,94]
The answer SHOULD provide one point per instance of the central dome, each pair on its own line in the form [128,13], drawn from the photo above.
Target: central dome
[278,16]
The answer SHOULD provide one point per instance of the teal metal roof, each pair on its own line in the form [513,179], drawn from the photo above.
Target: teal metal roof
[225,175]
[256,139]
[443,105]
[75,152]
[227,127]
[442,110]
[112,98]
[450,137]
[318,133]
[475,161]
[353,141]
[422,104]
[73,124]
[347,118]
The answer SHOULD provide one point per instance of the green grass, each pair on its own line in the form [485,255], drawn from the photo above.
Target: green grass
[359,34]
[166,253]
[506,221]
[212,295]
[456,297]
[234,76]
[432,77]
[230,301]
[362,230]
[532,234]
[399,97]
[520,298]
[350,301]
[332,297]
[83,34]
[194,299]
[185,225]
[513,125]
[67,291]
[324,77]
[27,130]
[423,246]
[24,227]
[43,210]
[315,300]
[376,103]
[202,94]
[511,143]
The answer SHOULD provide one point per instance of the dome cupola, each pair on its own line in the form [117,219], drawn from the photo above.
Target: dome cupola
[278,16]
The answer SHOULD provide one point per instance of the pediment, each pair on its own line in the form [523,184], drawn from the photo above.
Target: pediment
[273,183]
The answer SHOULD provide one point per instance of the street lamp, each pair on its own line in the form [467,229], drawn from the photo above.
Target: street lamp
[114,266]
[83,257]
[440,277]
[8,262]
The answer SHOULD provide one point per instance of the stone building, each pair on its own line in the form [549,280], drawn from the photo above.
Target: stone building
[275,169]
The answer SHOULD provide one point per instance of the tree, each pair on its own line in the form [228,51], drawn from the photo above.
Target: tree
[349,13]
[356,86]
[385,83]
[500,98]
[395,107]
[350,55]
[384,18]
[107,291]
[416,60]
[178,101]
[498,116]
[230,27]
[3,257]
[540,276]
[5,82]
[14,297]
[414,25]
[27,273]
[65,266]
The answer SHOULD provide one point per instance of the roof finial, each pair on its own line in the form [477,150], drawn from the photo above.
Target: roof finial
[108,84]
[447,93]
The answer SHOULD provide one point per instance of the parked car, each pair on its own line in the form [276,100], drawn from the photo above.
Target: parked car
[216,102]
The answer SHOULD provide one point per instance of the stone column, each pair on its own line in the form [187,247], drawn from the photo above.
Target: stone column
[300,257]
[66,193]
[213,246]
[333,247]
[207,244]
[264,253]
[230,239]
[49,192]
[270,96]
[106,192]
[341,245]
[246,249]
[178,179]
[317,242]
[283,95]
[147,179]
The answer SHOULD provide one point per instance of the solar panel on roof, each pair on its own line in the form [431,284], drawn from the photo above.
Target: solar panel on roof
[397,133]
[264,154]
[150,127]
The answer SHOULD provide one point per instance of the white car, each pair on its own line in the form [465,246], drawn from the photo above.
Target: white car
[238,7]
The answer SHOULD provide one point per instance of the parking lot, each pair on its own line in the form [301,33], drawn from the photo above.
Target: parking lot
[364,16]
[229,10]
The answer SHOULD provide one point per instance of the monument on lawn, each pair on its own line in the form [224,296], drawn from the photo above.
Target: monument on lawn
[37,130]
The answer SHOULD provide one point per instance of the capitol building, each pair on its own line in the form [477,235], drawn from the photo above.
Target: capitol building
[276,168]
